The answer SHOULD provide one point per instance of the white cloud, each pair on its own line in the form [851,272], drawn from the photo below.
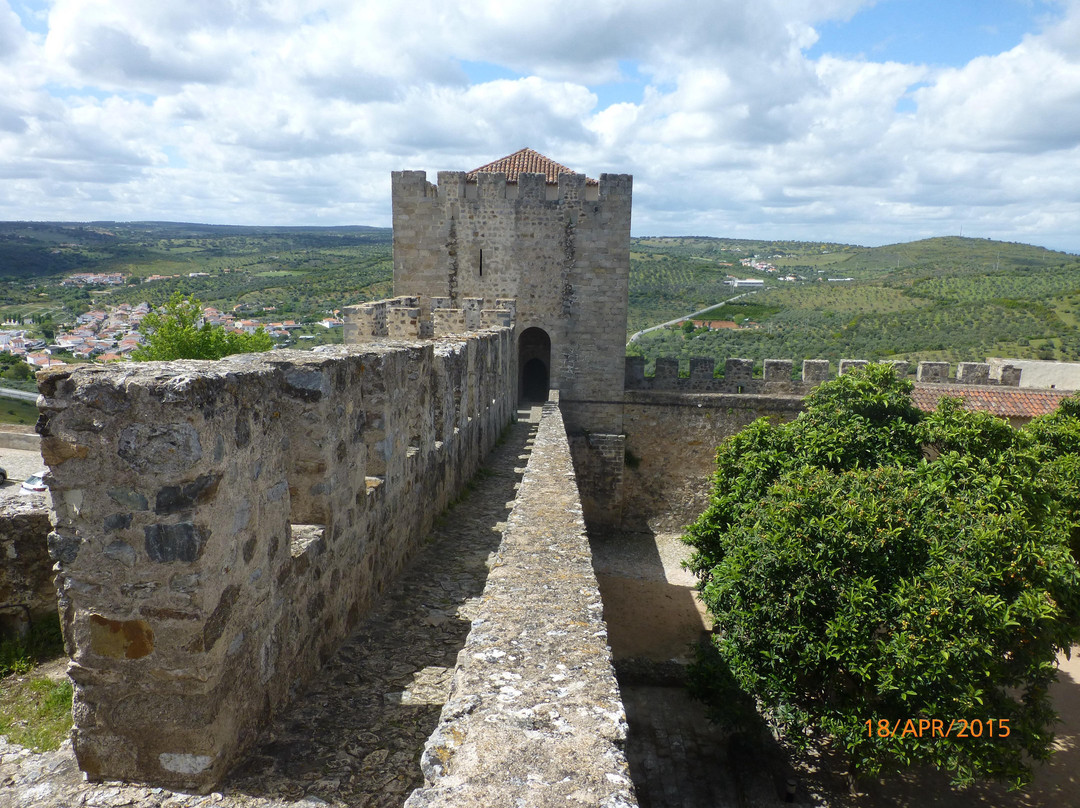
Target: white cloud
[295,111]
[13,38]
[1026,100]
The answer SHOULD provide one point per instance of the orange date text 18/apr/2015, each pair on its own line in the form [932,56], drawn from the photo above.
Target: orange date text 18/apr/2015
[938,728]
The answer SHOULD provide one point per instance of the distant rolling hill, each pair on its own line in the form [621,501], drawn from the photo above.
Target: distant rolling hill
[945,298]
[940,298]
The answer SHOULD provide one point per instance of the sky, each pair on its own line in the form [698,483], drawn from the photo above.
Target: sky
[855,121]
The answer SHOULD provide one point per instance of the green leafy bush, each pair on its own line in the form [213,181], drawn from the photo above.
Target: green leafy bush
[866,563]
[177,334]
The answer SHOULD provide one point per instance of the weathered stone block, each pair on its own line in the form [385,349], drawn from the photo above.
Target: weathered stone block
[738,370]
[120,639]
[1010,375]
[117,521]
[778,370]
[815,371]
[973,373]
[168,448]
[175,498]
[64,547]
[932,372]
[179,542]
[55,451]
[702,368]
[121,551]
[128,498]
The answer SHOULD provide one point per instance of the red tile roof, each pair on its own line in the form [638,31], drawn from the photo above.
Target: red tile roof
[526,161]
[1005,402]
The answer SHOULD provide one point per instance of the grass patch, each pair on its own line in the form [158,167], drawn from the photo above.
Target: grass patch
[22,413]
[35,712]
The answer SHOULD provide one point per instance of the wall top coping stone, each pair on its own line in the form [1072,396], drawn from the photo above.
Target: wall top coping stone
[535,716]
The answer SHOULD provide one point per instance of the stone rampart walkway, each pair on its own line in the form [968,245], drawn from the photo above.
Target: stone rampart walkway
[354,737]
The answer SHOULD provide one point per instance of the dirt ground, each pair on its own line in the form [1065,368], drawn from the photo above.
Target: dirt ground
[650,606]
[653,613]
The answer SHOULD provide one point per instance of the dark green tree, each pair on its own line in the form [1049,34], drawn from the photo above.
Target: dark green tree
[17,371]
[870,568]
[177,334]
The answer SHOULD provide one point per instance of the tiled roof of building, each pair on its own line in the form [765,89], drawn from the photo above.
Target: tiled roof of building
[1005,402]
[526,161]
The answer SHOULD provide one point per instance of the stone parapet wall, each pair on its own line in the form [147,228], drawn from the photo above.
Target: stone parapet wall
[27,593]
[220,526]
[19,438]
[534,716]
[413,318]
[738,375]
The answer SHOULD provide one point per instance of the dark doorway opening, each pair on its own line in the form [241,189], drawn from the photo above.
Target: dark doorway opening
[534,381]
[534,364]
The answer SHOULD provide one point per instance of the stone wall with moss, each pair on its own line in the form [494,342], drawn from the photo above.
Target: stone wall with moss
[220,526]
[534,716]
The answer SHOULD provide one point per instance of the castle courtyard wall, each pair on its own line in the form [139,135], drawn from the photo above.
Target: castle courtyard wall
[220,526]
[671,441]
[655,475]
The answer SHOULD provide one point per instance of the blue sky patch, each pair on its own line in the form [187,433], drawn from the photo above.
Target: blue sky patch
[930,32]
[483,72]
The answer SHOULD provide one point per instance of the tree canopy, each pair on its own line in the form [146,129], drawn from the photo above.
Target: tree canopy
[869,567]
[181,333]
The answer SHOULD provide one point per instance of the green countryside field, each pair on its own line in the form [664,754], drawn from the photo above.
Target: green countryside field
[301,272]
[945,298]
[952,299]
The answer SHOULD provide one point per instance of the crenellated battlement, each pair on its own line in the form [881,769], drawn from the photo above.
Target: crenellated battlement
[778,375]
[406,318]
[257,506]
[458,187]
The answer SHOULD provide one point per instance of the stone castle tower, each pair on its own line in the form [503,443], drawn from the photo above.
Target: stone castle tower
[529,228]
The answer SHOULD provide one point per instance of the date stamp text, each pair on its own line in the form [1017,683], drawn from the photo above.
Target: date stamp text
[938,728]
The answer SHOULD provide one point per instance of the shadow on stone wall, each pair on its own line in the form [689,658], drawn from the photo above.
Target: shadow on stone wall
[355,735]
